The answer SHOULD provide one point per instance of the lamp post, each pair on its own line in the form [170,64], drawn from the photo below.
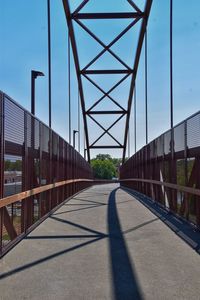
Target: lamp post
[74,137]
[34,75]
[85,152]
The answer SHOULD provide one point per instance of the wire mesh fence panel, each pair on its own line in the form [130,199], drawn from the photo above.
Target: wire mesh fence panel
[172,158]
[32,156]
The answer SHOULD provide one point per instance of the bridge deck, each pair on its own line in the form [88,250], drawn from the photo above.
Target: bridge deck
[102,244]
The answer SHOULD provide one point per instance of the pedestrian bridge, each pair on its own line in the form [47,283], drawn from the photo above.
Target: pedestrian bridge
[106,242]
[63,235]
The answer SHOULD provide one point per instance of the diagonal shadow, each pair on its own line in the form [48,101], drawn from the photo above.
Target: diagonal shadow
[90,201]
[49,237]
[79,204]
[72,210]
[44,259]
[41,237]
[140,226]
[181,227]
[125,283]
[123,277]
[78,226]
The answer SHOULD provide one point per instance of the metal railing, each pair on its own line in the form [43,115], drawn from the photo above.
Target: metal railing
[38,171]
[168,170]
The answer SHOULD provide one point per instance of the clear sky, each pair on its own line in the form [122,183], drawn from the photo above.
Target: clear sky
[23,46]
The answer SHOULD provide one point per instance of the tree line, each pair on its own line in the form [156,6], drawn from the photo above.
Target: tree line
[105,167]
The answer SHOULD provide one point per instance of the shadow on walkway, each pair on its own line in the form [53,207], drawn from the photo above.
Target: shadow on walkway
[124,279]
[125,283]
[182,228]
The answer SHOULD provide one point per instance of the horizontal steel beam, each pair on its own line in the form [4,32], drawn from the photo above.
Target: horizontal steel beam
[181,188]
[106,112]
[106,147]
[106,71]
[94,16]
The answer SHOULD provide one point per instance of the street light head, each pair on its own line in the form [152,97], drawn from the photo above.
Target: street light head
[75,131]
[35,74]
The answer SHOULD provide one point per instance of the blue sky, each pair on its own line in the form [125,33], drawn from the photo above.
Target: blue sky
[23,37]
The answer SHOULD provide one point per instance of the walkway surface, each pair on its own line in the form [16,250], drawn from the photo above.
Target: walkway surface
[102,244]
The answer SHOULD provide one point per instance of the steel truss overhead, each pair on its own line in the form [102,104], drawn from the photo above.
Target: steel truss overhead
[135,16]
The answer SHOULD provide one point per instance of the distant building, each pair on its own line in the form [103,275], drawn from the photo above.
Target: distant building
[12,176]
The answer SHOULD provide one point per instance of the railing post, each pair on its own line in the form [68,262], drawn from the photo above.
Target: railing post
[40,159]
[186,171]
[1,164]
[25,203]
[50,166]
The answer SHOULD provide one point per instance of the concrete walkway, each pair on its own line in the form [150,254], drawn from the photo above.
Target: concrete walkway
[102,244]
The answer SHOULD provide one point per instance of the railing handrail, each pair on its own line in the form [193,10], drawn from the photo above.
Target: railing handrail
[26,194]
[21,196]
[177,187]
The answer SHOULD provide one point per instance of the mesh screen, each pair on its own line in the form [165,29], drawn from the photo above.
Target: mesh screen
[160,146]
[28,163]
[14,123]
[167,142]
[33,134]
[179,138]
[44,138]
[54,143]
[193,132]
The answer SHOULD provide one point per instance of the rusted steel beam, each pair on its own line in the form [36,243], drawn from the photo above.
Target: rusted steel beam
[80,6]
[105,94]
[77,66]
[106,131]
[8,224]
[111,90]
[114,71]
[106,147]
[23,195]
[106,48]
[106,112]
[135,68]
[117,15]
[181,188]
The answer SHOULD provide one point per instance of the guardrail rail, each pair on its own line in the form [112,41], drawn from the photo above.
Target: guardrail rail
[168,170]
[38,171]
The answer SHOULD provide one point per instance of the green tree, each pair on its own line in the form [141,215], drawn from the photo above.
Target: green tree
[13,165]
[103,169]
[8,165]
[103,157]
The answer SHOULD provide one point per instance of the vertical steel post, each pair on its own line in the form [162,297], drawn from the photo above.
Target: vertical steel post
[25,212]
[171,64]
[135,124]
[85,153]
[186,198]
[129,150]
[50,167]
[2,117]
[173,161]
[146,88]
[79,126]
[69,88]
[40,174]
[49,56]
[32,93]
[1,165]
[34,75]
[74,138]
